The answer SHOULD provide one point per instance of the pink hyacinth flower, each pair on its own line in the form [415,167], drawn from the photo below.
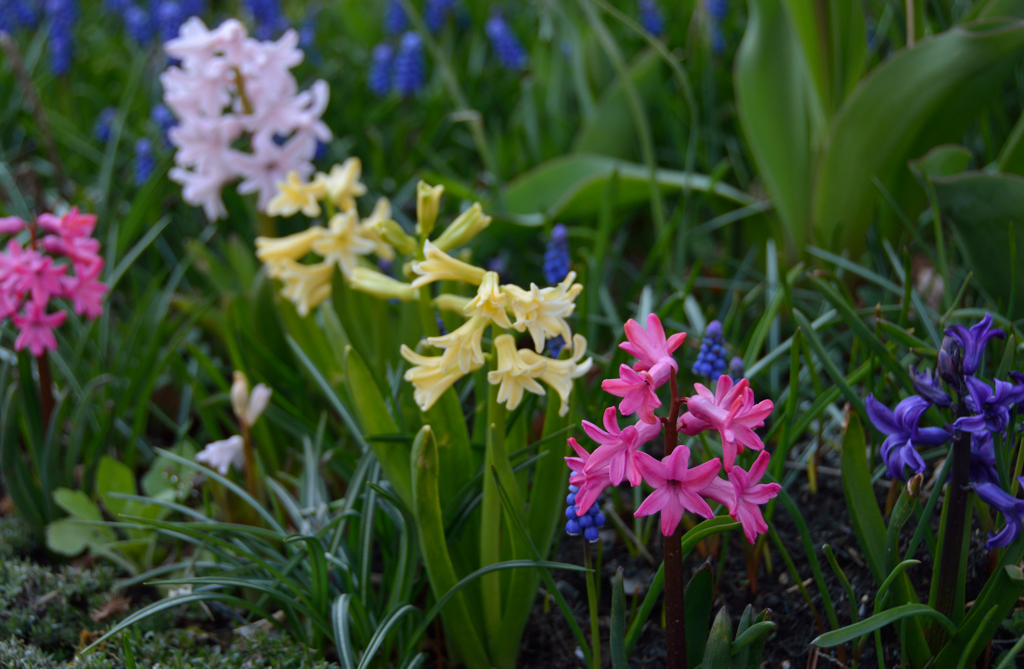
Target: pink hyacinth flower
[37,329]
[71,225]
[83,252]
[619,448]
[652,351]
[590,483]
[11,225]
[677,487]
[86,292]
[637,392]
[749,494]
[32,272]
[731,411]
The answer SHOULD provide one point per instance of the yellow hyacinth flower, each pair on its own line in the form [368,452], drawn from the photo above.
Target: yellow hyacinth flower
[428,204]
[341,243]
[453,303]
[559,374]
[295,195]
[380,285]
[543,311]
[368,229]
[342,186]
[462,346]
[439,266]
[513,374]
[306,285]
[273,250]
[489,301]
[428,378]
[464,228]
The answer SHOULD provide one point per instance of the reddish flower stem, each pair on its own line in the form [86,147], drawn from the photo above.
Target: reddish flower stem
[675,583]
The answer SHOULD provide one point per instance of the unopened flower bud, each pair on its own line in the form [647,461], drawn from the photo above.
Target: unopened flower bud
[382,286]
[914,485]
[239,394]
[393,234]
[950,363]
[464,228]
[428,204]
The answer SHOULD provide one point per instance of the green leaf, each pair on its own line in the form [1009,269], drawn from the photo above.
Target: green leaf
[372,411]
[1000,593]
[942,161]
[757,632]
[773,99]
[572,186]
[617,633]
[114,476]
[916,99]
[877,621]
[70,538]
[77,504]
[430,524]
[980,208]
[705,529]
[718,653]
[609,129]
[699,596]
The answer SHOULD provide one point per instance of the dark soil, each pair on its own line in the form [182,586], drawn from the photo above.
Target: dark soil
[549,642]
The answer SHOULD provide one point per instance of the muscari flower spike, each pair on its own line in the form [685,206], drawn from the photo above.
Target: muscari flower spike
[395,20]
[102,129]
[436,12]
[409,72]
[711,358]
[145,163]
[506,45]
[557,258]
[381,60]
[589,524]
[650,17]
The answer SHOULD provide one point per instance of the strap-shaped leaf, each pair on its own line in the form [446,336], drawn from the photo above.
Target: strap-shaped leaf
[1000,594]
[617,632]
[879,620]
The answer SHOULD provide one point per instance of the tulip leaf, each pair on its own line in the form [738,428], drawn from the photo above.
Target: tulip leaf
[918,98]
[699,596]
[465,636]
[773,103]
[1000,593]
[981,207]
[718,651]
[571,186]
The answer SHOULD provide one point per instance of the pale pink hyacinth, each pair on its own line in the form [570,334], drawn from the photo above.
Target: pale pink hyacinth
[38,268]
[224,454]
[730,411]
[651,349]
[618,448]
[230,89]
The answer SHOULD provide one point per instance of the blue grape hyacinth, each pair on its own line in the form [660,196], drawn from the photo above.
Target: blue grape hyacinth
[103,124]
[506,45]
[269,18]
[168,17]
[650,17]
[395,20]
[145,163]
[557,257]
[138,24]
[589,524]
[711,360]
[436,12]
[63,15]
[718,10]
[409,69]
[381,60]
[164,119]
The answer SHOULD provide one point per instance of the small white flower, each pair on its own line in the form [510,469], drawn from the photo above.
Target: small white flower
[220,455]
[248,406]
[180,592]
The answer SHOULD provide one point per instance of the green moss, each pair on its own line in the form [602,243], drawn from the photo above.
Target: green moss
[15,537]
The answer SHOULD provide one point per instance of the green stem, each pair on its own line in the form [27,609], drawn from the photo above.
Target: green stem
[595,632]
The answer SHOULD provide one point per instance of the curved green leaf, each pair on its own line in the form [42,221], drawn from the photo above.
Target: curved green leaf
[879,620]
[919,98]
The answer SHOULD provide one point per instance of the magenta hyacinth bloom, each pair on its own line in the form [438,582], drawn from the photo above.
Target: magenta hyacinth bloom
[973,341]
[730,411]
[651,349]
[750,494]
[619,448]
[637,392]
[676,486]
[590,484]
[37,329]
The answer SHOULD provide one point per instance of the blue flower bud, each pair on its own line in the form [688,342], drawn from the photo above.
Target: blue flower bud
[599,520]
[586,520]
[572,527]
[571,499]
[570,513]
[591,534]
[574,488]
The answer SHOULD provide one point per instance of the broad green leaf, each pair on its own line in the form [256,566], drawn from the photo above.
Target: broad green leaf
[718,652]
[773,102]
[70,537]
[980,208]
[877,621]
[699,596]
[430,524]
[114,476]
[571,186]
[1000,593]
[609,129]
[916,99]
[77,504]
[373,415]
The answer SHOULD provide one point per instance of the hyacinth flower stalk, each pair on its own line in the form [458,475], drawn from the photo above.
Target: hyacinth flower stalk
[680,486]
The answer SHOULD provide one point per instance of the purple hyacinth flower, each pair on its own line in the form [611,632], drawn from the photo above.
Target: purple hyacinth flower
[983,458]
[1011,508]
[903,434]
[973,341]
[927,385]
[991,409]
